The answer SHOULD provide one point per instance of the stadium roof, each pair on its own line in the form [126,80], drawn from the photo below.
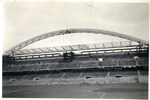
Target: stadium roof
[80,47]
[16,48]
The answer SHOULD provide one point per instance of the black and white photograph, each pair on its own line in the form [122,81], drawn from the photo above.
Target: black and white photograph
[86,49]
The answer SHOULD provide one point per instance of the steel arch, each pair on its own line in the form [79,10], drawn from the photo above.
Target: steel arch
[69,31]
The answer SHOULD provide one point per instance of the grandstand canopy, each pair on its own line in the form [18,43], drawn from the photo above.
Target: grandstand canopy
[70,31]
[79,47]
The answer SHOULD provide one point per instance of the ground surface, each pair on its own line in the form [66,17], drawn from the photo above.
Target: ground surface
[105,91]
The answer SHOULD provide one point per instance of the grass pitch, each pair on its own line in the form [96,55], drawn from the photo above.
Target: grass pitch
[105,91]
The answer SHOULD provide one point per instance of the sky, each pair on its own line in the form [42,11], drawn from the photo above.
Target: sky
[24,20]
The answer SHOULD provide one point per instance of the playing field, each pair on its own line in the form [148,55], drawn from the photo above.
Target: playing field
[105,91]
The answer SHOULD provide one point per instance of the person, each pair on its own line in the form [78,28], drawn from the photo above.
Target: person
[128,55]
[72,55]
[97,83]
[64,55]
[67,31]
[100,84]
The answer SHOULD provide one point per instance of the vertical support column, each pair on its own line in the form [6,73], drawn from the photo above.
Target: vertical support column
[139,47]
[137,62]
[46,55]
[117,62]
[97,52]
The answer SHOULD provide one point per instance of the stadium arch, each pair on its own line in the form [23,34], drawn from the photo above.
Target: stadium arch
[69,31]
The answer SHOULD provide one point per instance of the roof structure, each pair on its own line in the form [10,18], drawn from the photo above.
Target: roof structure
[17,49]
[80,47]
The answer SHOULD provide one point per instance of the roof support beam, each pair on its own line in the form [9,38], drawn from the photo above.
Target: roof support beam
[70,31]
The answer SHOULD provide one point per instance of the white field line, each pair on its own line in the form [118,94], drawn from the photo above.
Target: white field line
[102,96]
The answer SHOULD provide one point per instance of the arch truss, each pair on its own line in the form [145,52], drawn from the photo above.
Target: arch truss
[12,50]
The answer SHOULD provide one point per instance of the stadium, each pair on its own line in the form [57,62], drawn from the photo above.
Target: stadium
[107,70]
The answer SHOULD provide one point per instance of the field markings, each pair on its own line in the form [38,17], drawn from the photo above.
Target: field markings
[102,96]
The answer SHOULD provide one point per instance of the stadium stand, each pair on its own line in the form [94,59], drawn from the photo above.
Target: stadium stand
[53,65]
[41,67]
[55,74]
[75,64]
[120,62]
[89,64]
[16,76]
[12,68]
[27,68]
[143,61]
[144,73]
[31,76]
[124,73]
[72,74]
[94,73]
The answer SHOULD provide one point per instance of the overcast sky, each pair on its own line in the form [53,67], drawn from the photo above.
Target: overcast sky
[24,20]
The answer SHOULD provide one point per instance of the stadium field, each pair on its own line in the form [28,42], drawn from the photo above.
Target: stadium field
[105,91]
